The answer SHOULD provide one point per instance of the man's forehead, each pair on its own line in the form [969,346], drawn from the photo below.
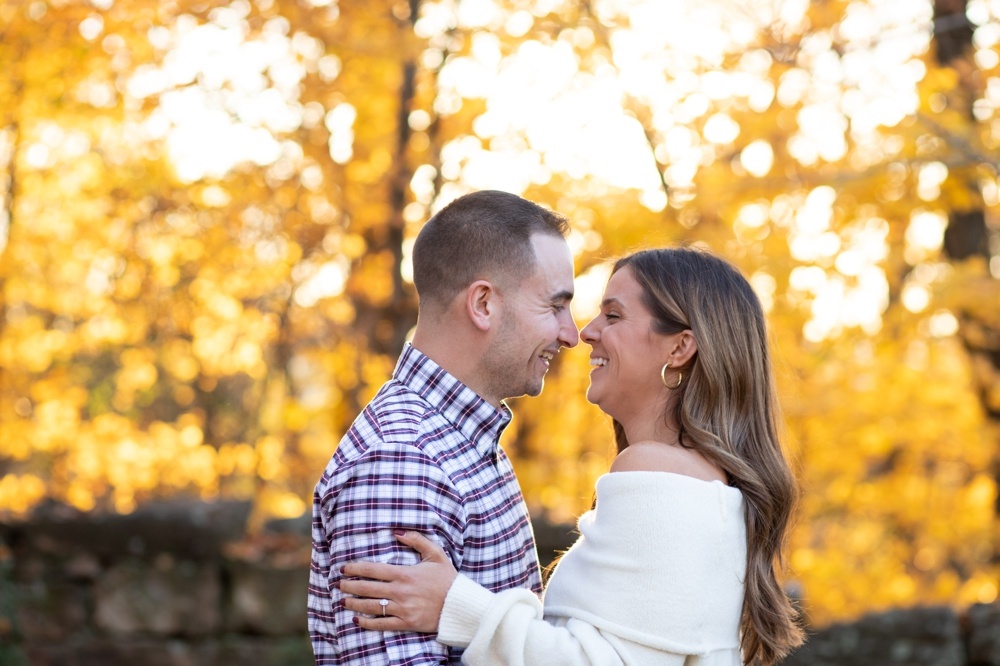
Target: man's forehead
[552,253]
[553,267]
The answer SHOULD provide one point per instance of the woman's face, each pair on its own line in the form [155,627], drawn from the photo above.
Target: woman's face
[627,353]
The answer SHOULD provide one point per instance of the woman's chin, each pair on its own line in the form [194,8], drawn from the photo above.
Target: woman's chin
[594,398]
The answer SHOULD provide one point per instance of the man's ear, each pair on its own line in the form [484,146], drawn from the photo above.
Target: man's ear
[482,304]
[682,348]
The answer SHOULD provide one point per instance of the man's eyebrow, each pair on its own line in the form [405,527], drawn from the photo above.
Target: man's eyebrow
[564,295]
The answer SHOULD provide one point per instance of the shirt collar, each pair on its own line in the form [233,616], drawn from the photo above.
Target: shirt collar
[479,421]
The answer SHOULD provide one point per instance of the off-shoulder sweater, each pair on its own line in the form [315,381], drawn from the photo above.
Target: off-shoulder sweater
[656,577]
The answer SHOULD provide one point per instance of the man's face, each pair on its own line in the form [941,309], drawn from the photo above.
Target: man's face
[536,322]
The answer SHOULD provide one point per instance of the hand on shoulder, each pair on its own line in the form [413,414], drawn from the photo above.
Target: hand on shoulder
[650,456]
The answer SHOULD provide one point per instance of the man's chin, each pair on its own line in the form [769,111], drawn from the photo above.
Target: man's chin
[531,391]
[535,390]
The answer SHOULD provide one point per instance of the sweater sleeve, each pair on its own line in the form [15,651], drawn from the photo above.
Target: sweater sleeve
[507,628]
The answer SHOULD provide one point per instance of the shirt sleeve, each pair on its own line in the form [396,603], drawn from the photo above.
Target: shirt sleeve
[392,486]
[507,628]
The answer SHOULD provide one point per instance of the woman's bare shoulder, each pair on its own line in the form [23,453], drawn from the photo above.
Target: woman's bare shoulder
[651,456]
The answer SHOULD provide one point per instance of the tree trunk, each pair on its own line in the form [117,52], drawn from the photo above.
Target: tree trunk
[967,234]
[10,125]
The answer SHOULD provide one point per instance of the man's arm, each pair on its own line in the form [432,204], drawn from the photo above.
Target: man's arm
[390,487]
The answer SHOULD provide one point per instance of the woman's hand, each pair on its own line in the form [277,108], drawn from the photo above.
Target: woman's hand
[415,593]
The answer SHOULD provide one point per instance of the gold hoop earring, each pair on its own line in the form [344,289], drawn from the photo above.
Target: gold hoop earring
[663,376]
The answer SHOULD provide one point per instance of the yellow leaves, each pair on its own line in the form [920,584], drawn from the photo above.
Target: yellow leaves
[236,460]
[895,508]
[352,246]
[929,557]
[981,589]
[112,455]
[803,559]
[862,545]
[224,306]
[280,503]
[297,418]
[191,436]
[339,310]
[167,253]
[177,358]
[372,170]
[972,290]
[104,330]
[270,451]
[248,356]
[196,467]
[318,446]
[374,371]
[36,348]
[137,372]
[19,493]
[56,422]
[980,495]
[374,278]
[129,285]
[901,589]
[229,340]
[939,79]
[17,441]
[960,196]
[80,497]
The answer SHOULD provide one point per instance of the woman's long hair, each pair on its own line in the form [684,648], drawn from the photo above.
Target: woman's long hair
[726,409]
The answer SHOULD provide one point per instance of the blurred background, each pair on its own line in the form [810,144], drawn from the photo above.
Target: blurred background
[207,210]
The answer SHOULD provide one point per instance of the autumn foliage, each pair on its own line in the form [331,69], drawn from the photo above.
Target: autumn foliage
[207,208]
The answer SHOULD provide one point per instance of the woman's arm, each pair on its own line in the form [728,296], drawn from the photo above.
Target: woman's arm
[505,628]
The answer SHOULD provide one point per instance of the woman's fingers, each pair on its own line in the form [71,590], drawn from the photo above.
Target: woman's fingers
[429,551]
[380,623]
[368,607]
[372,570]
[364,588]
[406,615]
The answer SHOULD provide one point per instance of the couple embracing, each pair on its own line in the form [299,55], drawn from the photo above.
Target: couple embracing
[422,545]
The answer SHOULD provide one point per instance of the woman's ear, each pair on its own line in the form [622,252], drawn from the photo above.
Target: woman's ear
[682,348]
[481,304]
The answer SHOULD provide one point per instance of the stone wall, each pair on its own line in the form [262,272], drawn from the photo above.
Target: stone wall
[179,584]
[931,636]
[175,584]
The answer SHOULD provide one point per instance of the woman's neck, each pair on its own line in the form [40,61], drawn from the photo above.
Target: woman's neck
[650,428]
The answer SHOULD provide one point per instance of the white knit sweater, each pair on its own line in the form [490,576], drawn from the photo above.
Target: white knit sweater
[656,577]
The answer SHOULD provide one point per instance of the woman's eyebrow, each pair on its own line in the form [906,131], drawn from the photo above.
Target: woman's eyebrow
[611,301]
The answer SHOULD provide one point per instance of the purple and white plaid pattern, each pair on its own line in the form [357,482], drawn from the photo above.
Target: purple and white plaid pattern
[424,456]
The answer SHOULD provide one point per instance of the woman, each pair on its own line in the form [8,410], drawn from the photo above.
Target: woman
[677,562]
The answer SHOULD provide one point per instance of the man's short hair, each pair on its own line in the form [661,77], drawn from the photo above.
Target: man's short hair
[482,235]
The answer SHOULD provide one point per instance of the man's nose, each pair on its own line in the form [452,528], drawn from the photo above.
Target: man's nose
[569,336]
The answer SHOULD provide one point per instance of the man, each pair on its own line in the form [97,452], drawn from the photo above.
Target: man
[494,276]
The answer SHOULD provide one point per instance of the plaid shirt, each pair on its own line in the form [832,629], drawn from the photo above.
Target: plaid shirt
[423,455]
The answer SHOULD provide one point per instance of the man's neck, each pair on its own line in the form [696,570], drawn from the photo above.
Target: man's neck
[455,355]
